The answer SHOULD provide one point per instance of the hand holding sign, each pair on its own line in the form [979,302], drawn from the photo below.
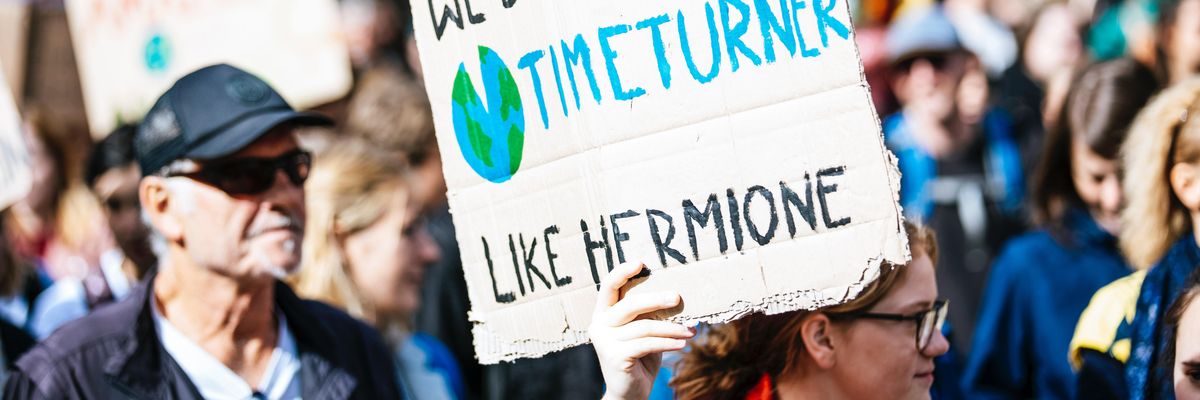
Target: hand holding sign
[630,348]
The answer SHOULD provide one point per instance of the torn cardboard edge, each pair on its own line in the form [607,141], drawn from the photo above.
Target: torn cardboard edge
[492,348]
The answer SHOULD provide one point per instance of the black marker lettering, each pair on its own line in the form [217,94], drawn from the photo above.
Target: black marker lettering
[712,212]
[759,237]
[823,190]
[664,246]
[591,245]
[475,19]
[735,221]
[531,269]
[447,16]
[550,256]
[619,236]
[512,248]
[791,198]
[502,298]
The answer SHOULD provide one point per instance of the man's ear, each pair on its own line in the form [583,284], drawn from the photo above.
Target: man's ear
[1185,182]
[156,203]
[816,331]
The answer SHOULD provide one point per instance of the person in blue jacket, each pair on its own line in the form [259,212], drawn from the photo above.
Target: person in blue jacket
[1163,163]
[960,168]
[1044,279]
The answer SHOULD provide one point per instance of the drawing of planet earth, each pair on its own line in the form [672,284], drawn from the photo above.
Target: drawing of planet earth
[491,136]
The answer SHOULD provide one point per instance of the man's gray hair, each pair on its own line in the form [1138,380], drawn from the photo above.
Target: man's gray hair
[183,196]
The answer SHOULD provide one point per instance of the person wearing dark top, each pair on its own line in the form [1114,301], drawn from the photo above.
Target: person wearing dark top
[964,180]
[14,342]
[1042,280]
[222,189]
[1161,159]
[16,279]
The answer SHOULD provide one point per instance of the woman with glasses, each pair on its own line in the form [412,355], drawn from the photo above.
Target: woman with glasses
[366,250]
[1042,281]
[880,345]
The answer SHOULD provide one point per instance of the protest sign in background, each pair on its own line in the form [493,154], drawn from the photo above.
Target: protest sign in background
[731,145]
[15,176]
[130,52]
[14,37]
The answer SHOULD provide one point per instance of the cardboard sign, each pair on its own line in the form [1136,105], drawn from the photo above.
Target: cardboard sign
[15,177]
[14,38]
[731,145]
[130,52]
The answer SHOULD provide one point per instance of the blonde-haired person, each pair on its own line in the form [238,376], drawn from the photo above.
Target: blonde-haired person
[881,345]
[365,251]
[1162,184]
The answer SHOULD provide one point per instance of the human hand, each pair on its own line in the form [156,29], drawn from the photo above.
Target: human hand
[630,348]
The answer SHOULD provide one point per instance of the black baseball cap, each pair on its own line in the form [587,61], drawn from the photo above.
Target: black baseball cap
[211,113]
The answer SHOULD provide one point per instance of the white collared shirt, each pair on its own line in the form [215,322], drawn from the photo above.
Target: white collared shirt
[216,381]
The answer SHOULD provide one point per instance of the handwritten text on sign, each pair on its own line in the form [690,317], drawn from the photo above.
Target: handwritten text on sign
[729,144]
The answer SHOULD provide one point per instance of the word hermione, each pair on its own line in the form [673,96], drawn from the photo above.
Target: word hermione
[663,231]
[729,26]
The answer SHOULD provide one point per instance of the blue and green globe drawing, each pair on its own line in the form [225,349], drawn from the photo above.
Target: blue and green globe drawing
[491,137]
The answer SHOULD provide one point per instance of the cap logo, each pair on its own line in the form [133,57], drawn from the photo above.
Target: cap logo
[161,127]
[248,90]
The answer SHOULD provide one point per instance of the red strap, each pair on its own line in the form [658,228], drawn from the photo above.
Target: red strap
[761,391]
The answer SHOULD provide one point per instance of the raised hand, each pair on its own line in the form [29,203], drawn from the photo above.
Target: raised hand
[629,347]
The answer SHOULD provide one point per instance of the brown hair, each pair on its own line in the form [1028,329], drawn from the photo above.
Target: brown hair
[1166,133]
[393,111]
[1102,105]
[731,358]
[13,271]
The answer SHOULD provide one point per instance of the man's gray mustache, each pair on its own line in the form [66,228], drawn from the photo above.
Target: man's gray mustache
[276,221]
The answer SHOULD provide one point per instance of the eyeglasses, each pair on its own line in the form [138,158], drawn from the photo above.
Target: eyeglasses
[928,321]
[252,175]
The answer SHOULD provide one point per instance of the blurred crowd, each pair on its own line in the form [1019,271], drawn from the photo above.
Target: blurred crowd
[1048,169]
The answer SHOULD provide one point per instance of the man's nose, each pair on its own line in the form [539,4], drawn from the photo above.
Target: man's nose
[285,194]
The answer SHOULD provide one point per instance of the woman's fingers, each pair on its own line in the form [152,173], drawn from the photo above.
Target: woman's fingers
[638,348]
[652,328]
[610,286]
[632,306]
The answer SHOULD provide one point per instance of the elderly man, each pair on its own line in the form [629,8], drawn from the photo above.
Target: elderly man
[222,190]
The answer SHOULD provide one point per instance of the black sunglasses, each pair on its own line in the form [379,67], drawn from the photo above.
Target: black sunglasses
[928,321]
[252,175]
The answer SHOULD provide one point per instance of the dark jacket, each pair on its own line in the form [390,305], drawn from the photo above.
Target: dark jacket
[1037,289]
[1164,282]
[114,353]
[14,342]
